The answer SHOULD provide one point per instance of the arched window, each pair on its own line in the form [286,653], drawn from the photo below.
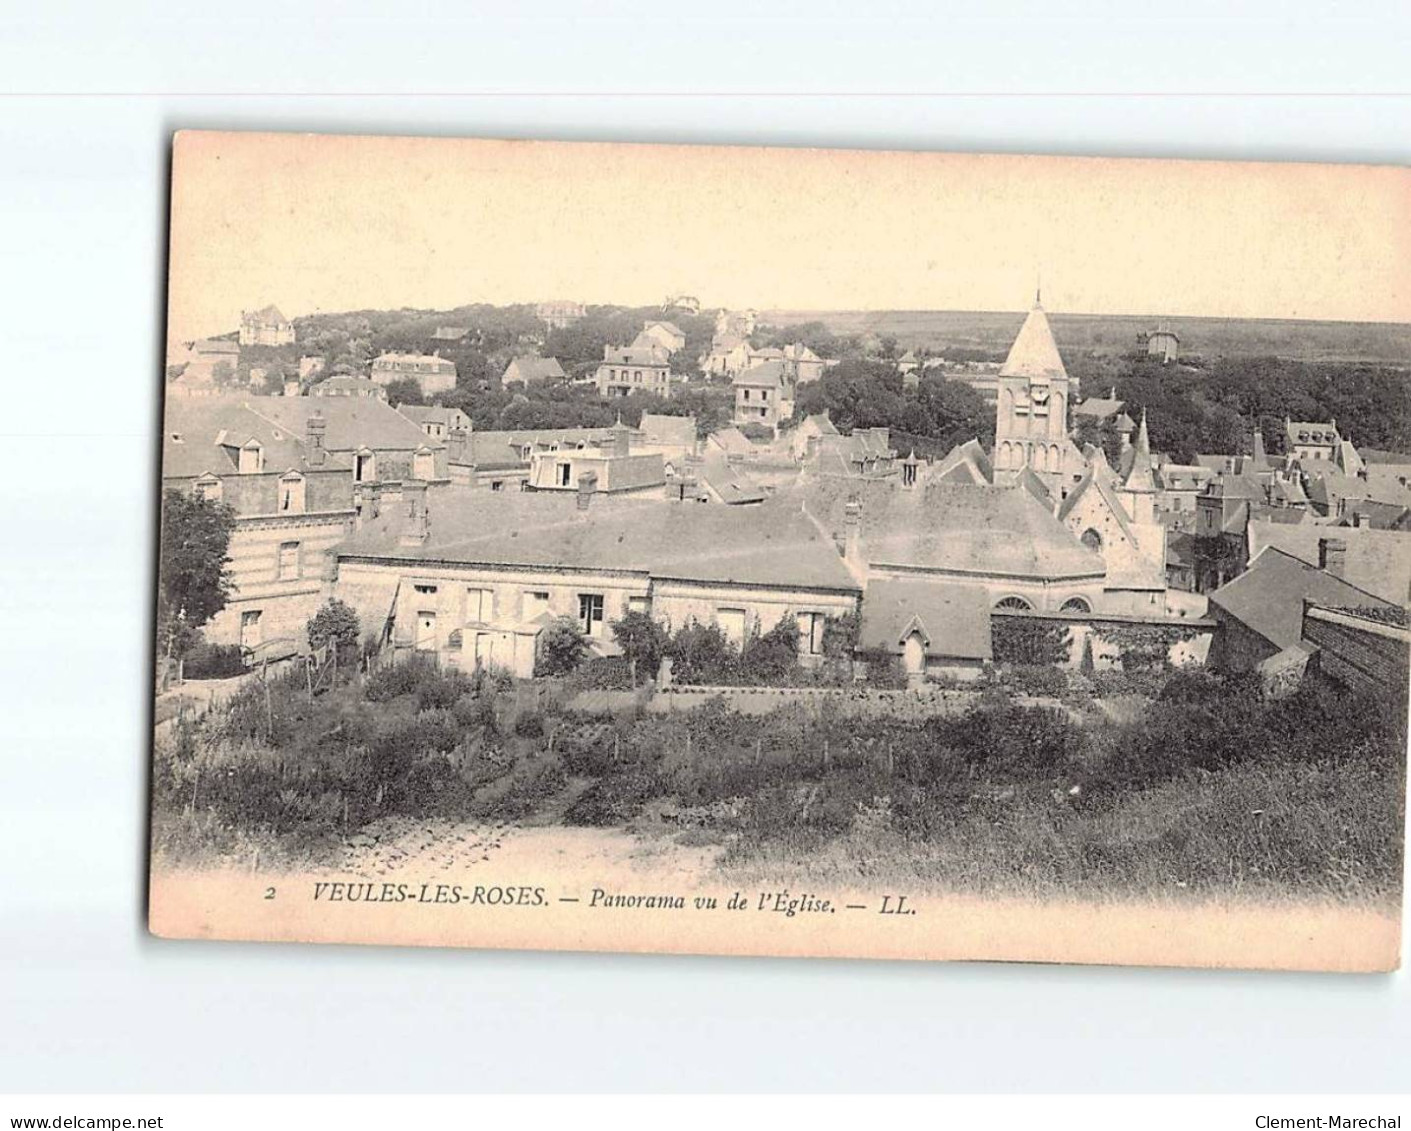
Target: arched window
[1075,605]
[1017,603]
[1055,458]
[1092,540]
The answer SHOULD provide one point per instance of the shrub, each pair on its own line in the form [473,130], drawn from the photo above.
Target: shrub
[335,624]
[643,641]
[1034,679]
[701,653]
[884,671]
[561,648]
[768,659]
[402,678]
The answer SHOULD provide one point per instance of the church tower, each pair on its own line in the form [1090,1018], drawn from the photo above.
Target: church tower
[1031,415]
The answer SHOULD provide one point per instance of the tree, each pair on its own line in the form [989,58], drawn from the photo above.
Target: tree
[404,390]
[337,624]
[192,582]
[561,647]
[642,640]
[768,658]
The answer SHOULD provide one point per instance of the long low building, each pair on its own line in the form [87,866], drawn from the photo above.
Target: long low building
[476,584]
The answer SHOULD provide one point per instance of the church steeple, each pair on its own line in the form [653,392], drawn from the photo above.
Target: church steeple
[1139,488]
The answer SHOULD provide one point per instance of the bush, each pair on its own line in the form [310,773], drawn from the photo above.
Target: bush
[561,648]
[643,642]
[336,624]
[1034,679]
[214,661]
[767,660]
[402,678]
[701,654]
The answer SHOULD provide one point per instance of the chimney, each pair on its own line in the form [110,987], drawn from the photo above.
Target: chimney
[418,520]
[1359,519]
[1332,555]
[315,431]
[587,486]
[455,446]
[852,534]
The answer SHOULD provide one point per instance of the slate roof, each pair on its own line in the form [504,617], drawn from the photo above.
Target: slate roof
[201,435]
[729,481]
[733,442]
[1034,352]
[533,369]
[489,451]
[1268,597]
[1327,485]
[766,375]
[347,381]
[771,545]
[823,422]
[1378,561]
[964,463]
[353,422]
[1310,432]
[220,347]
[1100,408]
[1182,477]
[954,620]
[957,527]
[646,356]
[1381,455]
[266,316]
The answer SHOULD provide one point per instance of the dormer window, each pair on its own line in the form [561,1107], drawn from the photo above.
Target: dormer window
[364,466]
[423,464]
[291,493]
[252,458]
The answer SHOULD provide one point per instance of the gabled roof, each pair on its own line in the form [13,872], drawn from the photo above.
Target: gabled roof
[534,369]
[822,422]
[1325,486]
[1034,353]
[643,355]
[772,544]
[670,327]
[265,316]
[953,620]
[421,413]
[1310,432]
[1027,479]
[1268,597]
[964,463]
[766,375]
[1100,408]
[1381,455]
[1098,478]
[728,481]
[732,441]
[348,381]
[201,435]
[490,450]
[353,422]
[957,527]
[218,346]
[1378,561]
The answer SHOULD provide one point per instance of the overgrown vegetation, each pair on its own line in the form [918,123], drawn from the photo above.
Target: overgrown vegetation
[1211,789]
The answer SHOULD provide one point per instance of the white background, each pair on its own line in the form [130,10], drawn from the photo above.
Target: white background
[87,1001]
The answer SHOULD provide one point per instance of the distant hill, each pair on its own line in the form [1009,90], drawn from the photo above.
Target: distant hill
[1383,342]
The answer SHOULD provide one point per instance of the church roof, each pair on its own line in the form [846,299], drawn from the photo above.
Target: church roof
[1034,352]
[1139,476]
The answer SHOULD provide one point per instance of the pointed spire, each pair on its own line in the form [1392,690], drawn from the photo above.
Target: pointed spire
[1259,457]
[1139,475]
[1039,289]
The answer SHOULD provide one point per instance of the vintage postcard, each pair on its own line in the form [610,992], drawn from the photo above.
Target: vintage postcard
[783,552]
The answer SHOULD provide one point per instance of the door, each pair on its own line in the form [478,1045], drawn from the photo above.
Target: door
[913,654]
[250,636]
[426,631]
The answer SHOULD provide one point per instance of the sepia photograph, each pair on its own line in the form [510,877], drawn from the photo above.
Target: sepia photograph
[796,552]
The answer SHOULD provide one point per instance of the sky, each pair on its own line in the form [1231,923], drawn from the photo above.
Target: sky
[327,223]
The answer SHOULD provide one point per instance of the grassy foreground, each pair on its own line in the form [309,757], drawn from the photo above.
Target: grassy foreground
[1205,789]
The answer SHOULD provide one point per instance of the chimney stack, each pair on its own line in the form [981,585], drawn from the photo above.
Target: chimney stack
[455,445]
[587,485]
[315,431]
[852,535]
[1332,555]
[418,520]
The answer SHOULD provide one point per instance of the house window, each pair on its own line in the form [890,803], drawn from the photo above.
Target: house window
[563,473]
[536,601]
[208,490]
[288,561]
[732,623]
[423,466]
[497,484]
[424,588]
[764,394]
[1017,603]
[1075,605]
[811,626]
[479,604]
[365,467]
[1092,540]
[291,493]
[590,614]
[252,459]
